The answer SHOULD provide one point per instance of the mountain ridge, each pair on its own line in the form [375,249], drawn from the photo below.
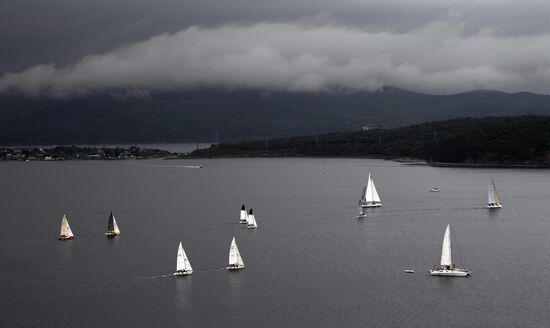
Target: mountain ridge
[226,115]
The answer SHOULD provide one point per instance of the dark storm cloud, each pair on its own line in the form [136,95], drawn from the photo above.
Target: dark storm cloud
[67,47]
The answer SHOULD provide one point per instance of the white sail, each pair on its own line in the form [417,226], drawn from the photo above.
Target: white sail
[494,197]
[183,263]
[65,228]
[251,222]
[244,216]
[491,194]
[446,256]
[235,259]
[116,229]
[240,262]
[371,195]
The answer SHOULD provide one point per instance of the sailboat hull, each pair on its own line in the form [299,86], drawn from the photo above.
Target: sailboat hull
[234,268]
[367,205]
[111,234]
[182,273]
[63,237]
[450,273]
[494,206]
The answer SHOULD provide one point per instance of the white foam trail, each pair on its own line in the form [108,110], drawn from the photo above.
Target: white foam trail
[209,269]
[158,276]
[174,166]
[27,241]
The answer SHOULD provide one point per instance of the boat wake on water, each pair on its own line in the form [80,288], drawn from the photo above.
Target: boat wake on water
[171,275]
[209,269]
[432,209]
[157,276]
[174,166]
[27,241]
[310,218]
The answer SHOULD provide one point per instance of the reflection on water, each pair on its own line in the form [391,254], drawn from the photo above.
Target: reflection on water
[66,250]
[183,294]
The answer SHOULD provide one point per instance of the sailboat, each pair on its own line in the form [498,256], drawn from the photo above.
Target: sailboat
[494,197]
[447,267]
[251,220]
[183,267]
[235,259]
[362,212]
[370,197]
[243,219]
[66,232]
[112,227]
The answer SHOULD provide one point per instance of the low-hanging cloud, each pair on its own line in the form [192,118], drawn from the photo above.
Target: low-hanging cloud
[437,58]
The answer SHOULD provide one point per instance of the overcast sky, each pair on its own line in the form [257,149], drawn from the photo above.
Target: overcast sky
[68,47]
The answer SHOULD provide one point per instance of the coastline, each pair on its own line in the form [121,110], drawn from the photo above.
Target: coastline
[101,153]
[67,153]
[403,160]
[489,165]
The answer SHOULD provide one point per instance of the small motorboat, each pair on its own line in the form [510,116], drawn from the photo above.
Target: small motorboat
[408,271]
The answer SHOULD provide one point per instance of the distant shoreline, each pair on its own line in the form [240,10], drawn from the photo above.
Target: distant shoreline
[65,153]
[404,160]
[489,166]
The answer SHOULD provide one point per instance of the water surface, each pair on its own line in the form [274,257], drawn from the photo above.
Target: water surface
[310,263]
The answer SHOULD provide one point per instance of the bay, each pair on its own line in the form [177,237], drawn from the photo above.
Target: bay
[310,262]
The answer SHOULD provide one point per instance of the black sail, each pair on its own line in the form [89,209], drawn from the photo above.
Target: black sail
[111,224]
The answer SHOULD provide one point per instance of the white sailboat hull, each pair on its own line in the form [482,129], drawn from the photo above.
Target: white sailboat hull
[450,272]
[367,205]
[494,206]
[235,268]
[182,273]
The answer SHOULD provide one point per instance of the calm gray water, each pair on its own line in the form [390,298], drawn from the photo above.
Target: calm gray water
[310,263]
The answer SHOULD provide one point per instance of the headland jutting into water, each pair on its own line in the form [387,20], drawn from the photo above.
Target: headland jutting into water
[522,141]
